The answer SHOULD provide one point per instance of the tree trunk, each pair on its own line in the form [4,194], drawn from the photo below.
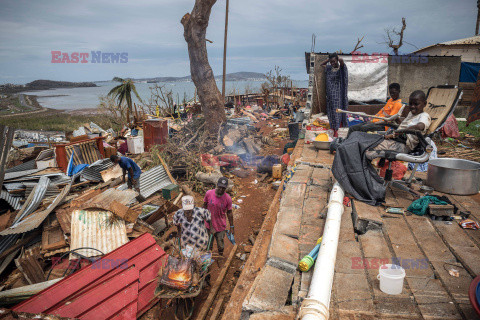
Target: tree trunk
[195,28]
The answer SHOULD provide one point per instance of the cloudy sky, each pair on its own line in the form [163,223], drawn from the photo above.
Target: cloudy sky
[262,33]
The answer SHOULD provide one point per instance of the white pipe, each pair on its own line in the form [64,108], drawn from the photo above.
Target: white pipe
[317,303]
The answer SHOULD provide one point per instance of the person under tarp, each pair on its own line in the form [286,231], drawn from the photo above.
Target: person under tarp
[336,82]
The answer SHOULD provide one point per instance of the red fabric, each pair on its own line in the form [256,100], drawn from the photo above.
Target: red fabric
[450,128]
[286,159]
[398,168]
[123,148]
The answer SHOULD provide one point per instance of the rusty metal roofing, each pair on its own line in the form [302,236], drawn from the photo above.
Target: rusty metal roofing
[14,202]
[153,180]
[35,219]
[475,40]
[6,139]
[92,172]
[96,229]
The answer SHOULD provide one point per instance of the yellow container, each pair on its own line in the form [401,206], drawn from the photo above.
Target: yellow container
[277,171]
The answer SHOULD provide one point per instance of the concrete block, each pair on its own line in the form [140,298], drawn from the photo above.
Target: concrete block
[269,291]
[321,176]
[287,313]
[302,175]
[289,221]
[374,245]
[352,292]
[284,249]
[293,195]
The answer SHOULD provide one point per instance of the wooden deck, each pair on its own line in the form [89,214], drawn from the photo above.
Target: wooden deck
[427,249]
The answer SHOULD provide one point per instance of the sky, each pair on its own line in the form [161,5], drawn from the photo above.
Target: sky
[261,34]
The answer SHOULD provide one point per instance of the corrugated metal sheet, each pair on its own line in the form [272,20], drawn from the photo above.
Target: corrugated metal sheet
[94,229]
[89,292]
[14,202]
[32,202]
[20,174]
[34,220]
[14,186]
[6,139]
[92,172]
[29,165]
[153,180]
[465,41]
[52,190]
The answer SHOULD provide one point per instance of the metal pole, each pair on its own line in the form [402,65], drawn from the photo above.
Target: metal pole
[225,53]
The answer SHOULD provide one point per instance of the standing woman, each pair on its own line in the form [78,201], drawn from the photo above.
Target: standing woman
[336,82]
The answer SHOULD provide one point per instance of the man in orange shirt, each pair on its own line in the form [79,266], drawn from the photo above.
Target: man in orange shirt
[393,106]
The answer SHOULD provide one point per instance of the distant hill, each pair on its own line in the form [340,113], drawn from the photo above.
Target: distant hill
[236,76]
[43,85]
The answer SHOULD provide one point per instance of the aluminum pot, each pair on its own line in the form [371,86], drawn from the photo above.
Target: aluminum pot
[321,145]
[454,176]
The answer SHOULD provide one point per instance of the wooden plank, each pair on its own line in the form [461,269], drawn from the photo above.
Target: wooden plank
[218,282]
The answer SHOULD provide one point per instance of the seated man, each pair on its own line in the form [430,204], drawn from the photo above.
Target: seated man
[190,222]
[415,120]
[393,106]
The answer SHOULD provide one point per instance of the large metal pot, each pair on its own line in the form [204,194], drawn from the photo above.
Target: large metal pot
[454,176]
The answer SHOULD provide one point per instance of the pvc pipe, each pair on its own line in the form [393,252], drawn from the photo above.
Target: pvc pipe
[316,305]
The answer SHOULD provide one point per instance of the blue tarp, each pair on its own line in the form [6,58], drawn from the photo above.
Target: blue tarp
[469,71]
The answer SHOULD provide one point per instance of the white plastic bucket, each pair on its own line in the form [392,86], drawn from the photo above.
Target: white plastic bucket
[391,278]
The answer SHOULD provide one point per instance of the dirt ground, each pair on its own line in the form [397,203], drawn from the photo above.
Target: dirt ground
[253,198]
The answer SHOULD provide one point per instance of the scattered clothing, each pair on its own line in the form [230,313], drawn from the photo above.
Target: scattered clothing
[469,224]
[450,128]
[194,232]
[420,206]
[355,173]
[337,90]
[398,168]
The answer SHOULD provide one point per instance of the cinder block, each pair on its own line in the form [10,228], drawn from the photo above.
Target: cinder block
[269,291]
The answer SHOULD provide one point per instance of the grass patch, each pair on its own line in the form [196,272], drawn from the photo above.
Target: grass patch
[473,128]
[56,121]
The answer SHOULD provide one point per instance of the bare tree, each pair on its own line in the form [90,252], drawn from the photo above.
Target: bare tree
[357,46]
[116,112]
[393,33]
[195,28]
[275,81]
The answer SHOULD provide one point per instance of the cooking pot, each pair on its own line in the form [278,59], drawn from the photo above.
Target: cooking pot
[454,176]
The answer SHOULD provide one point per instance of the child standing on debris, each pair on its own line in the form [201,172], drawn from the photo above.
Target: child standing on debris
[219,203]
[128,165]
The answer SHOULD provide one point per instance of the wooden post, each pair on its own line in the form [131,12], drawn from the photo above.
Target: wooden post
[213,291]
[225,52]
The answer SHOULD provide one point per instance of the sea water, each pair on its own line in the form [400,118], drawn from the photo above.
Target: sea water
[89,97]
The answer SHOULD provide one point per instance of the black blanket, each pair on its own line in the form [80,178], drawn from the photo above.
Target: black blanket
[355,173]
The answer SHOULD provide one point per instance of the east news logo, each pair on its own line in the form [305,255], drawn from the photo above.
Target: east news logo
[94,56]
